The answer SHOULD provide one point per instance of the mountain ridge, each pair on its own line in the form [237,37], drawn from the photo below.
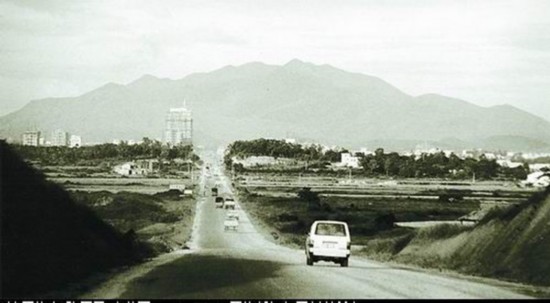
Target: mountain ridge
[254,99]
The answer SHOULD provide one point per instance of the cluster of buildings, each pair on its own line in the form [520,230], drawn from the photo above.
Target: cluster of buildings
[178,130]
[57,138]
[351,159]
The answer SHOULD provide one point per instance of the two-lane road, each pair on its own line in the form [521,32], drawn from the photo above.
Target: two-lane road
[242,264]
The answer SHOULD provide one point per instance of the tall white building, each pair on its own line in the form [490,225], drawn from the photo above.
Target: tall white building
[179,127]
[60,138]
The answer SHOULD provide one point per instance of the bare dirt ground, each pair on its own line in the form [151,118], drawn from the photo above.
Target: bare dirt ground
[117,184]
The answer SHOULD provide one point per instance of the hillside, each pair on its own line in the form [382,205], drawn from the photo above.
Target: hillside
[47,240]
[317,102]
[510,243]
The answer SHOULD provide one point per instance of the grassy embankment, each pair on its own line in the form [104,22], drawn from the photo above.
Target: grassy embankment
[510,243]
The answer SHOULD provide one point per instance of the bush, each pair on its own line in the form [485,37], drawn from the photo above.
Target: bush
[385,221]
[312,198]
[287,217]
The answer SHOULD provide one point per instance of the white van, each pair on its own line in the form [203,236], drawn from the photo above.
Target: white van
[229,203]
[328,241]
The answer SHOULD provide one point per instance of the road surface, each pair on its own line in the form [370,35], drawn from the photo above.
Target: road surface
[242,264]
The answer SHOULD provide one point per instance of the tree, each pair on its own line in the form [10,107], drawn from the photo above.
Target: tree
[312,198]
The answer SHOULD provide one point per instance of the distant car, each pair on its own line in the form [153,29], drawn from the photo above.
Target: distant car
[219,202]
[233,214]
[328,241]
[229,203]
[214,191]
[230,223]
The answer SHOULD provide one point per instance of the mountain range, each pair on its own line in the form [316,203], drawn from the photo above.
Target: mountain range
[318,103]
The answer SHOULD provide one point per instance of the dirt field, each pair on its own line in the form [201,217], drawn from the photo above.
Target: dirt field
[285,185]
[114,185]
[163,220]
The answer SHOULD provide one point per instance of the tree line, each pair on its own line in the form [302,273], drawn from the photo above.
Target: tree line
[436,165]
[281,149]
[94,154]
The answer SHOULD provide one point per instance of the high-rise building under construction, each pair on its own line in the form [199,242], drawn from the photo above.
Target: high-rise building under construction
[179,127]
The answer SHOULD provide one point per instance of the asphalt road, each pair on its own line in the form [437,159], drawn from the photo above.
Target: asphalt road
[243,265]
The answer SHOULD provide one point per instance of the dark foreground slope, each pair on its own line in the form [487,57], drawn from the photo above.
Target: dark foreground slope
[47,240]
[511,243]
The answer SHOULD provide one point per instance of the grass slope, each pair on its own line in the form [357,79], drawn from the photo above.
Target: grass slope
[511,243]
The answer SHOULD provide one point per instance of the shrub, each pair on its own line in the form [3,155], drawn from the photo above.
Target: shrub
[385,221]
[312,198]
[287,217]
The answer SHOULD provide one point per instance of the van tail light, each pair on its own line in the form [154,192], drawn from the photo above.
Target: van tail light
[348,246]
[310,243]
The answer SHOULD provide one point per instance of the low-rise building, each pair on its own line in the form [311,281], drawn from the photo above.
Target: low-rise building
[508,163]
[129,169]
[349,160]
[75,141]
[537,179]
[137,168]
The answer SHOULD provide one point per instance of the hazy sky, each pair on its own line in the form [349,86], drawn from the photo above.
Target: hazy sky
[486,52]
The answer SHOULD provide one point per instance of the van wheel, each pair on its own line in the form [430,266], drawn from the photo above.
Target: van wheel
[344,262]
[309,261]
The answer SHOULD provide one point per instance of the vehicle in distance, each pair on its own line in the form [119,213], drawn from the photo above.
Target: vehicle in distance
[218,201]
[233,214]
[328,241]
[214,191]
[229,203]
[230,223]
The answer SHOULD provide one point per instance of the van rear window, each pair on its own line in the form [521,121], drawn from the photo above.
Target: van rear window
[330,229]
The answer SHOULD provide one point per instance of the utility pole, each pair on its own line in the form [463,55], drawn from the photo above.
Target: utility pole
[474,178]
